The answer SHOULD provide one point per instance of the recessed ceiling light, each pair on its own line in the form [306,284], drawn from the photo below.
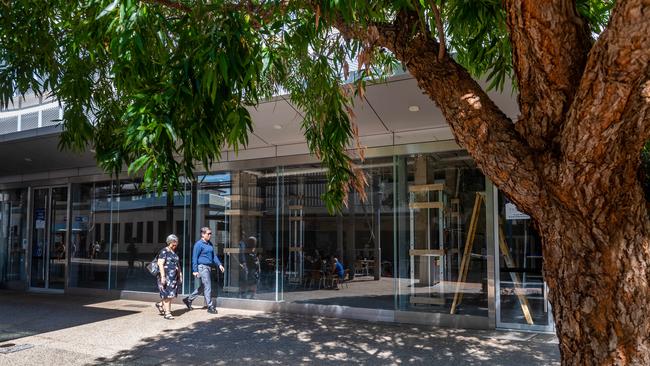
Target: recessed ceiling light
[277,127]
[28,160]
[414,108]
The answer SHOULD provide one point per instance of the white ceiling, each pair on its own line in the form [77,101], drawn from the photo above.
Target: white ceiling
[383,118]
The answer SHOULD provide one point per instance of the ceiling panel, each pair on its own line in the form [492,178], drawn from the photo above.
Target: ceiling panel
[277,123]
[376,140]
[258,153]
[294,149]
[255,142]
[39,154]
[366,119]
[432,134]
[392,100]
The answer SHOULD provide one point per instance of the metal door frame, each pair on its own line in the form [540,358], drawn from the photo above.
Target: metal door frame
[497,283]
[48,235]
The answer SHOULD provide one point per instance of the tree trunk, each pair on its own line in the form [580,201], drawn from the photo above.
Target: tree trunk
[597,269]
[590,212]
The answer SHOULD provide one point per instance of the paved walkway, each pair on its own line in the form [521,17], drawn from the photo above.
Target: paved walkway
[71,330]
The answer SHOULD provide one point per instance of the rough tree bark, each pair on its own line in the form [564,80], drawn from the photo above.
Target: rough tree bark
[570,161]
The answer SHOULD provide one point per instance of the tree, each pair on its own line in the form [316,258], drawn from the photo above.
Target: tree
[161,84]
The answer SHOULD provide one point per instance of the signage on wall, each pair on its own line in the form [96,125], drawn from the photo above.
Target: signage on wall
[513,213]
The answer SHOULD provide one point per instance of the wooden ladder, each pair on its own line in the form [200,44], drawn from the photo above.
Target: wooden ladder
[505,252]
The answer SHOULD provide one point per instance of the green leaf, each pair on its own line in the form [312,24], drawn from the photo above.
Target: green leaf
[108,9]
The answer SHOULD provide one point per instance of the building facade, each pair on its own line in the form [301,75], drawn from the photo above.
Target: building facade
[434,242]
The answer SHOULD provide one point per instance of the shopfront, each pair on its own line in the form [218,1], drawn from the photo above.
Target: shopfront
[433,241]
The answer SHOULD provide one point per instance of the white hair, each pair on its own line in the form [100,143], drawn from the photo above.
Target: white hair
[171,238]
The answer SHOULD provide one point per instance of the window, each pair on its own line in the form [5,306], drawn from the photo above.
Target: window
[149,232]
[138,232]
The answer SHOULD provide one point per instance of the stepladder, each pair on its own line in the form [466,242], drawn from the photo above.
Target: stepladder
[426,249]
[466,258]
[505,252]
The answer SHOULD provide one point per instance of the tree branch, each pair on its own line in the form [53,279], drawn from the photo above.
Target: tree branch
[478,124]
[440,29]
[550,43]
[609,120]
[263,11]
[171,4]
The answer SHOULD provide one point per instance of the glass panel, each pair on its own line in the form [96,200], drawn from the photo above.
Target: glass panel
[213,193]
[13,235]
[129,253]
[350,253]
[522,293]
[240,208]
[441,234]
[39,238]
[113,231]
[58,237]
[89,261]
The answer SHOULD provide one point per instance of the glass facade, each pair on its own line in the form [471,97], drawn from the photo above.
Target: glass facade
[13,236]
[241,209]
[360,238]
[419,241]
[522,290]
[49,238]
[117,229]
[441,230]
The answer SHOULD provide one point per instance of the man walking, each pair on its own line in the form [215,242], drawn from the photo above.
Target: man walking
[203,256]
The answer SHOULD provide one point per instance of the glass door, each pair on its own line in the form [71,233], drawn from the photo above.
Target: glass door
[49,238]
[522,294]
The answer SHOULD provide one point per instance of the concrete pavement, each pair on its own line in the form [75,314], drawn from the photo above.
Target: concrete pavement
[78,330]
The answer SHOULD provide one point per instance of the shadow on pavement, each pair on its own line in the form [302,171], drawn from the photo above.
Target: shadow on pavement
[292,339]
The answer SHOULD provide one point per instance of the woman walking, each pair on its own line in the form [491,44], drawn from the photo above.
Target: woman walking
[169,277]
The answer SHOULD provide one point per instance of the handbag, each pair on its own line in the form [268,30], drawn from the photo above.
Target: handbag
[153,268]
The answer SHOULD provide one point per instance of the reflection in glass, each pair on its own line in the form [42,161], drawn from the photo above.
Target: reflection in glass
[49,237]
[416,243]
[89,260]
[359,238]
[58,237]
[110,244]
[240,208]
[13,235]
[522,295]
[39,238]
[129,254]
[442,234]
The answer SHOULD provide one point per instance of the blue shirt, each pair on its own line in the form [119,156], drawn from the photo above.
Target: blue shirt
[339,269]
[203,253]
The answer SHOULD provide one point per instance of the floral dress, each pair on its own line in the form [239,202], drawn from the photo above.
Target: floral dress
[172,272]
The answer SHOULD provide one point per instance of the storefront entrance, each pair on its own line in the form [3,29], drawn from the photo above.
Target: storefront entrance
[49,228]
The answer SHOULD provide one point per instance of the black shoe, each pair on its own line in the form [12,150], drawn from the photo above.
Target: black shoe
[212,310]
[187,303]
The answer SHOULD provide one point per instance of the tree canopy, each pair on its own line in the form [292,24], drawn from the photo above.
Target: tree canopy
[160,85]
